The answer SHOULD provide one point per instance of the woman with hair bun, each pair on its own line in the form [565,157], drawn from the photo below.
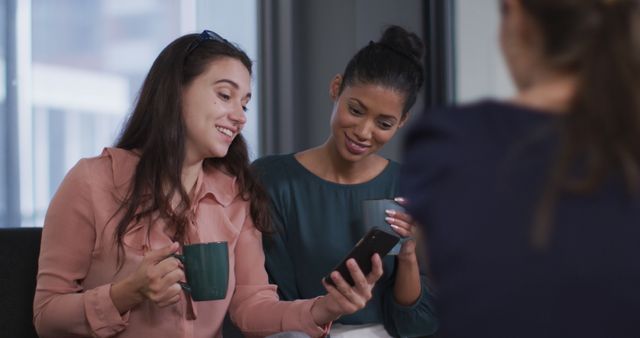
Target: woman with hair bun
[316,194]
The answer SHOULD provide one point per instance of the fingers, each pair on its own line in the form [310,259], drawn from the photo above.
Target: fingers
[376,269]
[342,301]
[351,299]
[169,301]
[168,296]
[166,290]
[155,256]
[401,222]
[401,200]
[165,266]
[362,285]
[163,273]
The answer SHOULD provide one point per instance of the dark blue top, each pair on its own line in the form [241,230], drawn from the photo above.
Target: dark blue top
[318,222]
[474,175]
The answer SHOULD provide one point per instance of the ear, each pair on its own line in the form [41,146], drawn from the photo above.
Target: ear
[518,20]
[334,86]
[403,120]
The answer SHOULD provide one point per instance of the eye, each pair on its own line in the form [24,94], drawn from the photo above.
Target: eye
[385,125]
[224,97]
[354,111]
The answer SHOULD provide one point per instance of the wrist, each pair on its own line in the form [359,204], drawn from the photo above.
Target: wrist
[125,295]
[321,313]
[407,258]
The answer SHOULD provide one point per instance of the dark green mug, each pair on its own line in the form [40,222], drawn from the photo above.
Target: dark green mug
[373,215]
[206,267]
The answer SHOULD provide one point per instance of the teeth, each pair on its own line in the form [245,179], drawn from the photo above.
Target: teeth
[225,131]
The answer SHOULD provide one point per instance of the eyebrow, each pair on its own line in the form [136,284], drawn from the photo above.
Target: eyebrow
[389,116]
[233,84]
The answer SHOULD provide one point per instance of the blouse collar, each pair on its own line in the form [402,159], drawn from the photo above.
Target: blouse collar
[212,182]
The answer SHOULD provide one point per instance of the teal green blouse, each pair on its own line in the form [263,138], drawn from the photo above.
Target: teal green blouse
[317,222]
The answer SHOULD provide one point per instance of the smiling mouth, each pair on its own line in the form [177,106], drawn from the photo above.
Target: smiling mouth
[226,131]
[354,147]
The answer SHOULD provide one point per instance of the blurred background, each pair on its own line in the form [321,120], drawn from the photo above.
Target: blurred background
[70,71]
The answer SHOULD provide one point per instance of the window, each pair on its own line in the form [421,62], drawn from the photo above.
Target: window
[80,75]
[480,69]
[3,116]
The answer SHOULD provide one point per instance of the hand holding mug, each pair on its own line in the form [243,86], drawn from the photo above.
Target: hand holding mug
[156,279]
[405,226]
[158,275]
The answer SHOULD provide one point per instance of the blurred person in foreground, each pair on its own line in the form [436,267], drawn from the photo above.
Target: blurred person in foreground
[531,206]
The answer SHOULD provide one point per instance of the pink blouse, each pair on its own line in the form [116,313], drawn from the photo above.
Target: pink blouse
[78,261]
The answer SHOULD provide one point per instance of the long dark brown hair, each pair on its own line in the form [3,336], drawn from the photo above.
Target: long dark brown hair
[598,41]
[156,130]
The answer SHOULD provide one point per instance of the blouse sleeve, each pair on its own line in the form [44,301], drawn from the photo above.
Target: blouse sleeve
[61,306]
[414,320]
[255,307]
[278,262]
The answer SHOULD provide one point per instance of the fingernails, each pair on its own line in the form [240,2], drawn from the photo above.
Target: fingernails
[390,212]
[389,219]
[400,199]
[395,226]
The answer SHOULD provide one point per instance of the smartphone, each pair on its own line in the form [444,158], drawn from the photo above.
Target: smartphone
[375,241]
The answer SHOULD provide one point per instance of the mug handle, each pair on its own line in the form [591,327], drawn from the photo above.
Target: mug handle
[183,285]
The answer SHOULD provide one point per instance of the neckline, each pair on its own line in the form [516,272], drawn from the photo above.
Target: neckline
[302,169]
[510,105]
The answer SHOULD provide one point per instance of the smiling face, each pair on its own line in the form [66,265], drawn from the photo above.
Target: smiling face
[364,118]
[213,108]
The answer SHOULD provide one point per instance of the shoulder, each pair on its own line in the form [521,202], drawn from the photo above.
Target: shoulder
[271,161]
[94,174]
[273,167]
[393,166]
[391,170]
[94,168]
[450,120]
[473,121]
[112,169]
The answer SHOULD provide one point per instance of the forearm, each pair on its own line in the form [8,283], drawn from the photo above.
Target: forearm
[407,289]
[321,313]
[256,311]
[125,295]
[88,313]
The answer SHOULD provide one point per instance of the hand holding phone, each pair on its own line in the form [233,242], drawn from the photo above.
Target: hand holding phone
[375,241]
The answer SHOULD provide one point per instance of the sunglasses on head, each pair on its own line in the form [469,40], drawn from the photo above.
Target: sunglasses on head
[205,35]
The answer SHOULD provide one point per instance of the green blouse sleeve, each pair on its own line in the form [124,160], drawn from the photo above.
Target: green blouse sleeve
[416,320]
[278,263]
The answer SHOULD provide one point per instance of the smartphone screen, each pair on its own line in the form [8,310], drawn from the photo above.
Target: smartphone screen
[375,241]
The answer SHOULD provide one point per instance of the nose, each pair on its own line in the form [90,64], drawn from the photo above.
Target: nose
[238,116]
[363,130]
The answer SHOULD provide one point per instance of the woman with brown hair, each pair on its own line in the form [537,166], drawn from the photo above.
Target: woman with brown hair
[179,174]
[531,206]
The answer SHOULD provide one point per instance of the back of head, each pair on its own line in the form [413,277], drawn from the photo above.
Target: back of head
[597,41]
[394,62]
